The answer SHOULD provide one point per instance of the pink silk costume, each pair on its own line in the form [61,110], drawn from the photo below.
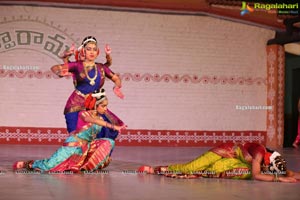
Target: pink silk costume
[297,140]
[81,151]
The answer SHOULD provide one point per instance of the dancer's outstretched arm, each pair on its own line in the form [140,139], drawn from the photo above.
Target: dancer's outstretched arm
[257,174]
[96,120]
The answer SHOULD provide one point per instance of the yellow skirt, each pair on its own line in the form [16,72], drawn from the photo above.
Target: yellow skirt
[213,165]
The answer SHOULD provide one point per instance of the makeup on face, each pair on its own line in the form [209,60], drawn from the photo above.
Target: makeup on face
[102,107]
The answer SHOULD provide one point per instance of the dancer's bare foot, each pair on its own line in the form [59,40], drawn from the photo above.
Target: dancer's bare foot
[106,163]
[161,170]
[295,144]
[23,164]
[19,165]
[146,169]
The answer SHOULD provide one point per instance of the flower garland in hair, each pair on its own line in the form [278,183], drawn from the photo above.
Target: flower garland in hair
[94,98]
[275,162]
[267,158]
[273,156]
[77,53]
[90,102]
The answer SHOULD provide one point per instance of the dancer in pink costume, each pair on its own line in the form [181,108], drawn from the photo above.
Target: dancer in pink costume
[297,140]
[82,151]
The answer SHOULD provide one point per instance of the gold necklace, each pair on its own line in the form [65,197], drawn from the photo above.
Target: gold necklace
[92,80]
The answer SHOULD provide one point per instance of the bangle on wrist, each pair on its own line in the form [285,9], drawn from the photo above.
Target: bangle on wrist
[111,126]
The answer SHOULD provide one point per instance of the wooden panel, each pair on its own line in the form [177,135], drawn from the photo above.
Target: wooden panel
[261,18]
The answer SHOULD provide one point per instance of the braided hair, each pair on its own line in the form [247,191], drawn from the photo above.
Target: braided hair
[275,162]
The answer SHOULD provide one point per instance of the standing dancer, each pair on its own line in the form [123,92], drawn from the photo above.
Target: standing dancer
[89,77]
[297,140]
[79,57]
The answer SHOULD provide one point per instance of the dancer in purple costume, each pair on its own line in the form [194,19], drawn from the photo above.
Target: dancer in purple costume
[88,76]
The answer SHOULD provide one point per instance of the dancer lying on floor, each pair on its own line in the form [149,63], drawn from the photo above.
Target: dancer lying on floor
[81,151]
[247,161]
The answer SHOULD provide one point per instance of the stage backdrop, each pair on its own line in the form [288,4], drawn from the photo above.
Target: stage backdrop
[188,80]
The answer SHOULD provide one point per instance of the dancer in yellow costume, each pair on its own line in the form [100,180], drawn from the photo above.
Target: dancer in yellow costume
[235,161]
